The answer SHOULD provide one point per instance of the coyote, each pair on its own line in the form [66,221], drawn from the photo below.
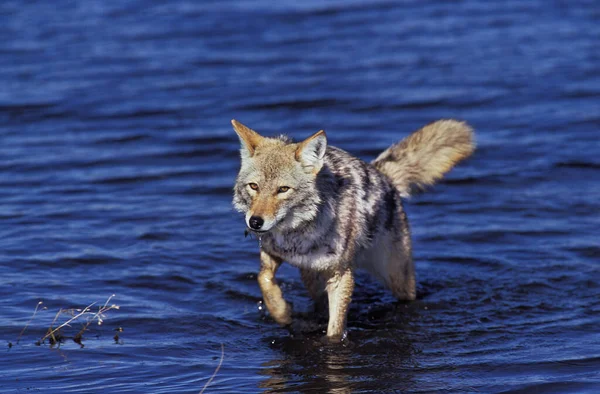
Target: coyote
[328,213]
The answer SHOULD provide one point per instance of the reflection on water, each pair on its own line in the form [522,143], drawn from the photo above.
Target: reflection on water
[380,351]
[328,368]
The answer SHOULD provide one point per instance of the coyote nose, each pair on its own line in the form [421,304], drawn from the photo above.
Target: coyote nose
[256,222]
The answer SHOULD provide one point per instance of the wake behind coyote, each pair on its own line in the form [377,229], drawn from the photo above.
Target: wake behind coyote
[328,213]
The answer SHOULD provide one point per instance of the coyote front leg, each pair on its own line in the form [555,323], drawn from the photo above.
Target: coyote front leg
[279,309]
[339,291]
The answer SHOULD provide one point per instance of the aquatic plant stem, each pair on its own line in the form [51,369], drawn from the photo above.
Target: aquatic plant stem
[216,370]
[27,325]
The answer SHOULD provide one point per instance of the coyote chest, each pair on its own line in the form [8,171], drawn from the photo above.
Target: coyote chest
[304,250]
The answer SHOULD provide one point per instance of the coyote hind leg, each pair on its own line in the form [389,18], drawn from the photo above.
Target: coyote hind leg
[390,261]
[315,283]
[401,277]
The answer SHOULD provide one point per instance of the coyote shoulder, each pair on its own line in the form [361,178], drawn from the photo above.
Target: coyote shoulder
[328,213]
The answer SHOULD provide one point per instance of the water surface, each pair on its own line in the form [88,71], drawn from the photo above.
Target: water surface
[118,159]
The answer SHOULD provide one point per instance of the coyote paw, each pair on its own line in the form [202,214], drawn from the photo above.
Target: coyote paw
[335,340]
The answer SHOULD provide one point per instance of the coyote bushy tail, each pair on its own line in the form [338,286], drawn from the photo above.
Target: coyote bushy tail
[423,157]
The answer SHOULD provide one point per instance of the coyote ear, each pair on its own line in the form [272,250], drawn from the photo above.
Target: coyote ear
[311,151]
[249,138]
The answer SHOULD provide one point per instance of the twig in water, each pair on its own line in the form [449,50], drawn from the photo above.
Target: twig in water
[26,325]
[52,331]
[216,370]
[98,316]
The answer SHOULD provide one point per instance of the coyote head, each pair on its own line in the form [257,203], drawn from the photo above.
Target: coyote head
[276,186]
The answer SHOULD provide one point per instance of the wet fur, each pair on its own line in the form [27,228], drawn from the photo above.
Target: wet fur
[341,213]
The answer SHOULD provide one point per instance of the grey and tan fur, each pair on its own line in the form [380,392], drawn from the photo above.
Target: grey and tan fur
[329,213]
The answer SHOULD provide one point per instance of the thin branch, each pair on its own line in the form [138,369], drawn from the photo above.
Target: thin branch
[97,316]
[26,325]
[216,370]
[51,333]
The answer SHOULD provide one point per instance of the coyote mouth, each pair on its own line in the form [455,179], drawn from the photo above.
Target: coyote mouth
[249,231]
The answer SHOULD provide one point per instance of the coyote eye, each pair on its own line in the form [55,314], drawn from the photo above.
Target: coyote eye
[253,186]
[283,189]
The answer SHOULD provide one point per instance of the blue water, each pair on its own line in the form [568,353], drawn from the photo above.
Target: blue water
[117,161]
